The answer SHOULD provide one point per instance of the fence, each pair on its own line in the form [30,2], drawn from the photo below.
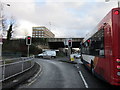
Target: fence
[15,66]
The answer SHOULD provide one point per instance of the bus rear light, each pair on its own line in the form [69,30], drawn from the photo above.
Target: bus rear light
[118,60]
[116,12]
[118,73]
[118,66]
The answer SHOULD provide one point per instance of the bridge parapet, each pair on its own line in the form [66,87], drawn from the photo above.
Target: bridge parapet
[63,39]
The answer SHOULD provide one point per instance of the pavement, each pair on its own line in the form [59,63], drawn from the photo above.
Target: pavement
[14,82]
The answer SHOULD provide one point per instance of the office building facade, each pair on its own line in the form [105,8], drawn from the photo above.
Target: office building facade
[42,32]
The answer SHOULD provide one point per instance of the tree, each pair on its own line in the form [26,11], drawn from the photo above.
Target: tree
[10,24]
[9,32]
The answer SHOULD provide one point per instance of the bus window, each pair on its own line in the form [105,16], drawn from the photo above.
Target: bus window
[97,44]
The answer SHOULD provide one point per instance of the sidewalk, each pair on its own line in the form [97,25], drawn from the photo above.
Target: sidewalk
[12,83]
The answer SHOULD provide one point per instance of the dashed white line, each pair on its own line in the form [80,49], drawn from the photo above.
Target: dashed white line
[86,85]
[77,66]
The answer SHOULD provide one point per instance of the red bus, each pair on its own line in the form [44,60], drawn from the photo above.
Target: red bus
[101,48]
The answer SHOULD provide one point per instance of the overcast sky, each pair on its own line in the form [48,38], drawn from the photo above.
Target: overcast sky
[65,18]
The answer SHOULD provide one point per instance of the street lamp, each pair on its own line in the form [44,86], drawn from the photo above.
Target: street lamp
[1,19]
[1,11]
[1,31]
[1,24]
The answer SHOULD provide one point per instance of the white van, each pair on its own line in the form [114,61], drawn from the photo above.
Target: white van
[48,54]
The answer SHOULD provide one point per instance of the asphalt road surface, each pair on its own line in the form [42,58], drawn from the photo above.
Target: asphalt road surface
[57,74]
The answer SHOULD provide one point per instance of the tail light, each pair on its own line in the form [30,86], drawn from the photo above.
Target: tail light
[116,12]
[118,66]
[118,60]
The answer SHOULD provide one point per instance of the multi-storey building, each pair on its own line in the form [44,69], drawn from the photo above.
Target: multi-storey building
[42,32]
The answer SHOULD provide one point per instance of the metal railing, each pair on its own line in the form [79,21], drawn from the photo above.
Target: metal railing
[14,66]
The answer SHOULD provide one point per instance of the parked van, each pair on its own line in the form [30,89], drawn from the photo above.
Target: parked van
[48,54]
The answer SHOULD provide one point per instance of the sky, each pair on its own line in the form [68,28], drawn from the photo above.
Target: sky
[65,18]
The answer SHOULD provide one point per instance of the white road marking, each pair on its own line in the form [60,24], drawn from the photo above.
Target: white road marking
[34,78]
[77,66]
[60,62]
[86,85]
[31,82]
[15,81]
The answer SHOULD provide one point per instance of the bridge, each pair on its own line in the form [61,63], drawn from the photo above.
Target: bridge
[55,43]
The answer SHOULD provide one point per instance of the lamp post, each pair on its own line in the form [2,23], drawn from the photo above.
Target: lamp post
[2,70]
[1,13]
[1,25]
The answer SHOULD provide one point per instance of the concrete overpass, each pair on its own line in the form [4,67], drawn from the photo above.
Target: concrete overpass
[55,43]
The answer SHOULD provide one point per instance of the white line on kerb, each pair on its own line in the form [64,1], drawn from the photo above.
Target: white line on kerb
[34,78]
[86,85]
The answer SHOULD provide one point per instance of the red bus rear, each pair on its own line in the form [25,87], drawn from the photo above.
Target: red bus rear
[102,53]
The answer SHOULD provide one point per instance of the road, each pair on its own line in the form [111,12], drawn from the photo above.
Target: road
[56,74]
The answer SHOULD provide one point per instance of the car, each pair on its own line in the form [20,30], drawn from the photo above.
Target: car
[77,56]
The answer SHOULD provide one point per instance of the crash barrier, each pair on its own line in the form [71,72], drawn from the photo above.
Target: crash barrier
[14,66]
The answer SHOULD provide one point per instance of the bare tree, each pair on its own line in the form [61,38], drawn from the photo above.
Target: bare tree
[9,24]
[10,29]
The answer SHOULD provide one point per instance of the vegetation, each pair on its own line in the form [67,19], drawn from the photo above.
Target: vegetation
[8,24]
[60,54]
[18,48]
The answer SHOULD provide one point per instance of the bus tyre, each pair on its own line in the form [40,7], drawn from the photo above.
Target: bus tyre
[92,67]
[52,56]
[81,59]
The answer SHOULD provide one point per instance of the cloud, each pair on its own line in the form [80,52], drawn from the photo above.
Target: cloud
[69,18]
